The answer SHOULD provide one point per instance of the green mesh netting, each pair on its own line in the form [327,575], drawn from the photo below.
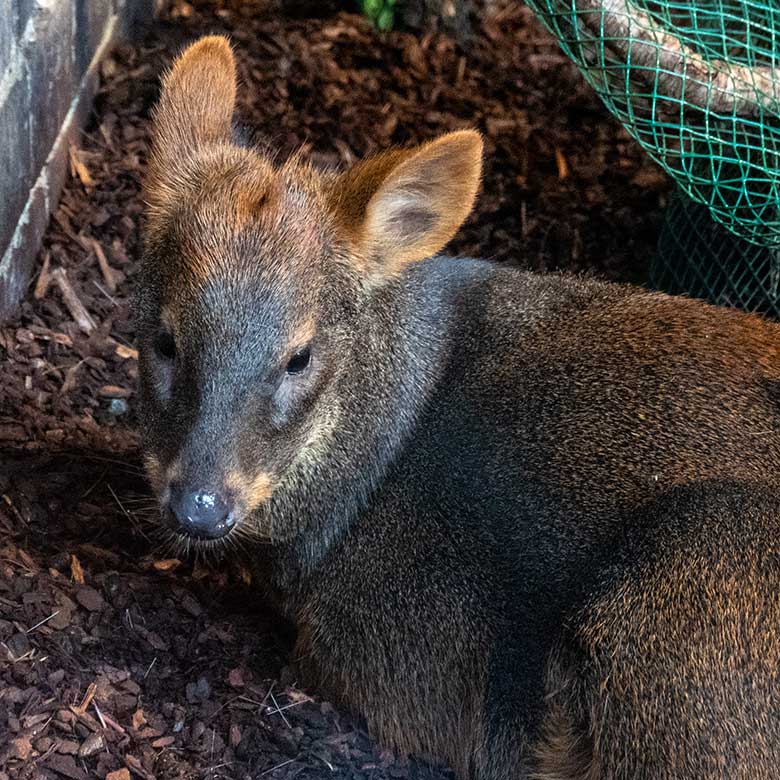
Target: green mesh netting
[697,83]
[699,257]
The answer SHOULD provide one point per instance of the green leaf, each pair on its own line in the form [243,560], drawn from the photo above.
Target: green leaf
[381,13]
[372,8]
[385,19]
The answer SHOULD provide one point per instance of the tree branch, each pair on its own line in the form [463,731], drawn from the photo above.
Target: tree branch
[677,71]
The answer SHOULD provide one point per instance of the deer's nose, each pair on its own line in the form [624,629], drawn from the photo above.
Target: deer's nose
[201,513]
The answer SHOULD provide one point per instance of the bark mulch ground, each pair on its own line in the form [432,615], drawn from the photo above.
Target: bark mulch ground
[116,662]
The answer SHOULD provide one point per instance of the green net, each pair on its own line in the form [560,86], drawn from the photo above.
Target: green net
[697,83]
[699,257]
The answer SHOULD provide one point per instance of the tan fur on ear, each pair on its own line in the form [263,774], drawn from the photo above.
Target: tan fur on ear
[354,188]
[405,205]
[196,104]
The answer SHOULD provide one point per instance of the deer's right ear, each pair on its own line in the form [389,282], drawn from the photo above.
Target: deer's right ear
[406,204]
[196,106]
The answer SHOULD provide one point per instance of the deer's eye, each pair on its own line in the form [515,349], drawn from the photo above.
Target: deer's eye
[299,362]
[165,345]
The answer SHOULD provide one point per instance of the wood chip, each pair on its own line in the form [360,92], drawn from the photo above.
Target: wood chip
[168,564]
[138,719]
[113,391]
[87,700]
[71,300]
[109,276]
[78,168]
[92,744]
[128,353]
[66,766]
[70,378]
[76,572]
[44,279]
[560,161]
[21,747]
[136,766]
[90,599]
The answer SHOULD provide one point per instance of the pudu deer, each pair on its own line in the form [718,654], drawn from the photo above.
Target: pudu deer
[526,524]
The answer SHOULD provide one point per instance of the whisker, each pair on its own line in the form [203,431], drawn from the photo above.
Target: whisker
[143,500]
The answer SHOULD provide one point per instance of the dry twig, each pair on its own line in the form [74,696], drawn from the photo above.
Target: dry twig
[73,304]
[105,269]
[44,279]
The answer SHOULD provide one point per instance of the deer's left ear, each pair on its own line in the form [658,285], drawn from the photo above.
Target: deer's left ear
[405,205]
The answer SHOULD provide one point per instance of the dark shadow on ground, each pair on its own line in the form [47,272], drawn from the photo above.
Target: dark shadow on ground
[117,657]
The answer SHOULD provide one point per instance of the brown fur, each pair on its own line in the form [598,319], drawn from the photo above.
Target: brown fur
[201,87]
[562,753]
[249,492]
[688,633]
[154,472]
[386,210]
[527,525]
